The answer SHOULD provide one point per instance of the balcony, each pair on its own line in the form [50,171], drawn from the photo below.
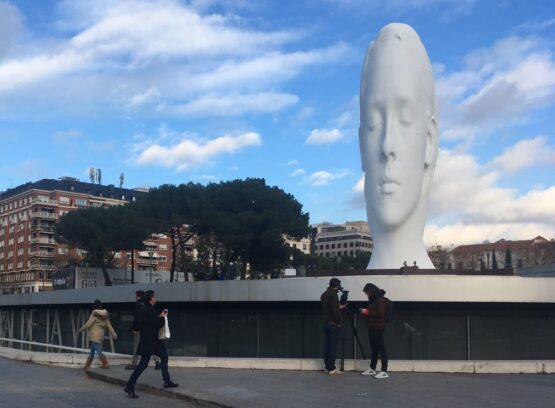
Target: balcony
[42,254]
[48,229]
[147,261]
[44,267]
[44,214]
[43,240]
[44,202]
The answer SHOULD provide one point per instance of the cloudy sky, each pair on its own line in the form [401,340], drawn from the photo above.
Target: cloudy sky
[207,90]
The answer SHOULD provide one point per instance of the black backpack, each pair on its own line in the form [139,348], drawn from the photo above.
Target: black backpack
[389,310]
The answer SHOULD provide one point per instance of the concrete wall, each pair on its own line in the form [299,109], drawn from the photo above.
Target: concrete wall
[409,288]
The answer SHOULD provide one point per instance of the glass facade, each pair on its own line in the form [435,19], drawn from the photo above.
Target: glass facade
[420,331]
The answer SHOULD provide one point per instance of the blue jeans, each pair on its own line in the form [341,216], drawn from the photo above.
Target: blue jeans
[96,348]
[143,364]
[331,340]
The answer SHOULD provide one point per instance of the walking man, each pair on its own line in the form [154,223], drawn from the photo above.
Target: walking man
[150,323]
[136,334]
[331,310]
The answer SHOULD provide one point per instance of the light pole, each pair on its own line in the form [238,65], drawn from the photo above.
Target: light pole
[150,255]
[339,265]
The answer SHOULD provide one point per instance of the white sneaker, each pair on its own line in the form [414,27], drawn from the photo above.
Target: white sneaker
[369,372]
[381,374]
[335,372]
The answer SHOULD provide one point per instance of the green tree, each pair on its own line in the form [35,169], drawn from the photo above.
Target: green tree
[250,220]
[92,230]
[175,211]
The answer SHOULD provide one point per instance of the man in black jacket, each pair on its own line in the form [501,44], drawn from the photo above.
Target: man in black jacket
[150,324]
[136,333]
[332,324]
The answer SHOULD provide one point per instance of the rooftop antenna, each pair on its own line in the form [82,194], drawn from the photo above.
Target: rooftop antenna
[99,176]
[92,174]
[121,180]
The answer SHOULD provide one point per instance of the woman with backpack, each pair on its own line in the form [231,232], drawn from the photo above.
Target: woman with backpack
[375,313]
[96,327]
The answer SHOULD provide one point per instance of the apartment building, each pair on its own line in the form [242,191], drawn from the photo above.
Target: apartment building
[349,239]
[28,251]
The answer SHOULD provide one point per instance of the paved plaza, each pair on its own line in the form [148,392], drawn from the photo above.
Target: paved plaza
[309,389]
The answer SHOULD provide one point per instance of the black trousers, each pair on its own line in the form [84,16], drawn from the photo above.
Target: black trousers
[377,347]
[331,340]
[143,364]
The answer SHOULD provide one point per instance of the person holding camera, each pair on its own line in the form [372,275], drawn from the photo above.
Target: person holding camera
[331,310]
[375,312]
[150,344]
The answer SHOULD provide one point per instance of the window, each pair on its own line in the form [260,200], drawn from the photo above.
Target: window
[351,244]
[80,202]
[63,251]
[64,200]
[304,247]
[162,247]
[332,246]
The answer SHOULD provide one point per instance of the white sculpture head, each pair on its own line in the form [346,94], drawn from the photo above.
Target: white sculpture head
[398,144]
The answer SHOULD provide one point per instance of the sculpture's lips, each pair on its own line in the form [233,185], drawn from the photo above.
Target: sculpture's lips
[389,186]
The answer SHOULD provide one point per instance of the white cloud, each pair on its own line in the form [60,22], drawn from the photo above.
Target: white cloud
[298,172]
[157,52]
[526,153]
[324,136]
[66,136]
[449,8]
[232,105]
[359,186]
[498,87]
[149,96]
[322,177]
[11,24]
[189,152]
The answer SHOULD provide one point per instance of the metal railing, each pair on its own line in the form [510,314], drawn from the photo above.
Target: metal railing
[43,201]
[42,240]
[58,347]
[42,254]
[44,214]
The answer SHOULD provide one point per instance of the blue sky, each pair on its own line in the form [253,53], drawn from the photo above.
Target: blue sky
[178,91]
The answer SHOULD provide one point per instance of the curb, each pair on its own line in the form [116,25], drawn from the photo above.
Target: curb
[149,389]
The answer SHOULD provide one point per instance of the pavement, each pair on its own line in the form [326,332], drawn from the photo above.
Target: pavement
[225,388]
[26,385]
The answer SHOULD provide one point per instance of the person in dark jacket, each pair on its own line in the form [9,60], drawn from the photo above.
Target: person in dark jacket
[331,310]
[139,295]
[375,313]
[150,323]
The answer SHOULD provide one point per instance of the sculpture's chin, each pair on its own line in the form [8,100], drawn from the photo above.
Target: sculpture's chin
[390,215]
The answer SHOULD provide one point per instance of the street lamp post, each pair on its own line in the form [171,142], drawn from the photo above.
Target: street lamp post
[150,255]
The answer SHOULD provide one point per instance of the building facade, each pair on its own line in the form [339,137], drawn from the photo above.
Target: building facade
[28,251]
[349,239]
[503,254]
[302,244]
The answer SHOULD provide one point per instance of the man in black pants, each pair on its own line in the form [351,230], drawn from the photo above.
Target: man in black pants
[139,295]
[375,312]
[150,324]
[332,324]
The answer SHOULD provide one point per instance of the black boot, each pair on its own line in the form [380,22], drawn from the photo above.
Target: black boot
[170,384]
[131,393]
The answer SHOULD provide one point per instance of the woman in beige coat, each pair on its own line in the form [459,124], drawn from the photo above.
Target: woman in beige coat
[96,327]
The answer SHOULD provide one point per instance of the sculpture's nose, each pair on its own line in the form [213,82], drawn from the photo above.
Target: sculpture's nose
[388,141]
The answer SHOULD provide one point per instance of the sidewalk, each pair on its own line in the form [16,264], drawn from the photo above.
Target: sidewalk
[304,389]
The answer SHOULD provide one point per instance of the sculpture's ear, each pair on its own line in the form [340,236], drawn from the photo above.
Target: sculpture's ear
[362,141]
[431,142]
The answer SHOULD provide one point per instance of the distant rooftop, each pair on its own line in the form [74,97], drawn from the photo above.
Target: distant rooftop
[73,185]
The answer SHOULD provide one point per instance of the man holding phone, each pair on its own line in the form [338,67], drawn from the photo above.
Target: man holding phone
[150,344]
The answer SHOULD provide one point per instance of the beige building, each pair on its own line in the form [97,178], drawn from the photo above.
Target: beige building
[302,244]
[349,239]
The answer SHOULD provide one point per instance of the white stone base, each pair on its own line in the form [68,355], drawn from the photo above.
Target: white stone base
[415,366]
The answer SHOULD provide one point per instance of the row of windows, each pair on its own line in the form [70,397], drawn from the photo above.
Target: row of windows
[345,245]
[23,276]
[344,253]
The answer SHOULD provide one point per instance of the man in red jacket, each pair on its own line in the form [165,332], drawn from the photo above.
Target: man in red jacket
[375,312]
